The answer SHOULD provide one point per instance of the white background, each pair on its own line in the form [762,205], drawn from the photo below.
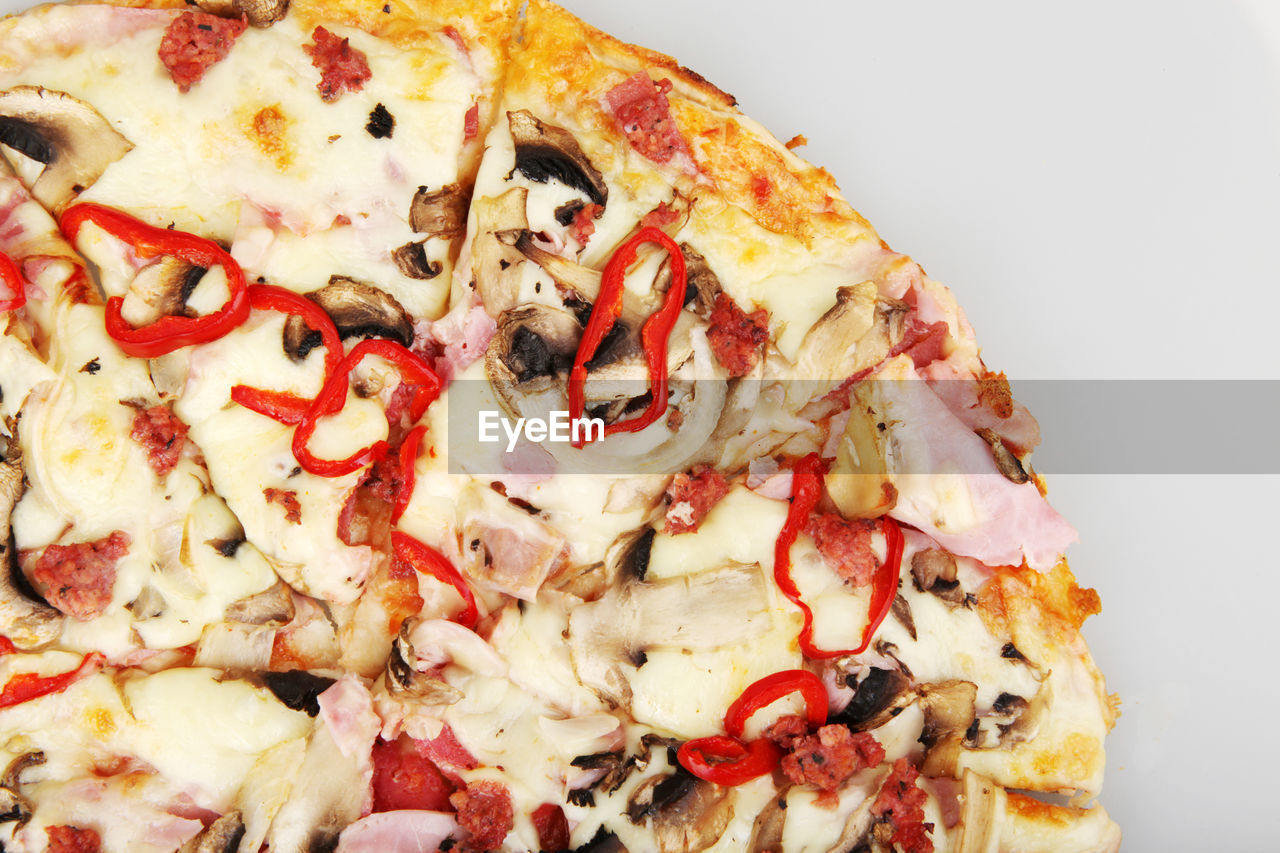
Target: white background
[1099,183]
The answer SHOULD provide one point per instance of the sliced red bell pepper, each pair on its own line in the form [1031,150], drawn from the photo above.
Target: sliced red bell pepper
[654,334]
[429,561]
[806,491]
[12,279]
[6,646]
[26,686]
[333,395]
[770,689]
[407,457]
[283,406]
[169,332]
[728,761]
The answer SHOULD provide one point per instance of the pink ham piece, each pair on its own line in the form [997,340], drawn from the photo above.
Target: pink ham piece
[347,710]
[397,832]
[949,486]
[1019,431]
[458,338]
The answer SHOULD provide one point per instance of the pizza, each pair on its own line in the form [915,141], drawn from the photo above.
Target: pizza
[439,425]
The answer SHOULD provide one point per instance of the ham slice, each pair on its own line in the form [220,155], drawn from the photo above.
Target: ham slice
[949,486]
[397,832]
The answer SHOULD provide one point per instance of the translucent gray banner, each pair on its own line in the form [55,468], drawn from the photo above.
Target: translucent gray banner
[1086,426]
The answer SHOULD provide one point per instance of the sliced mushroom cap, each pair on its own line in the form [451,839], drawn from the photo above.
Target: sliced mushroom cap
[28,621]
[494,264]
[221,836]
[982,803]
[544,151]
[686,813]
[766,832]
[703,286]
[878,697]
[440,213]
[297,688]
[405,681]
[357,308]
[161,289]
[260,13]
[71,138]
[531,353]
[1007,463]
[856,333]
[14,806]
[934,570]
[411,259]
[606,634]
[860,483]
[273,606]
[949,710]
[628,556]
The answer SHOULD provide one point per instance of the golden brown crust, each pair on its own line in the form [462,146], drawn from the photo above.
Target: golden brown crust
[574,65]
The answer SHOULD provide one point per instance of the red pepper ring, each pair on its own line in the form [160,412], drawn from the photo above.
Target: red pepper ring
[169,332]
[806,491]
[283,406]
[728,761]
[654,334]
[26,686]
[429,561]
[770,689]
[333,396]
[884,586]
[12,279]
[408,455]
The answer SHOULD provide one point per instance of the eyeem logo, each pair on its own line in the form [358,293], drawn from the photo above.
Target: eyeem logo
[558,427]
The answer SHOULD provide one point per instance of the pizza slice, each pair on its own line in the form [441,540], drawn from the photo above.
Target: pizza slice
[799,591]
[154,518]
[608,169]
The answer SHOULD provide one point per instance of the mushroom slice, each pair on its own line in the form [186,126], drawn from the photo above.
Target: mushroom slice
[949,710]
[260,13]
[881,695]
[608,637]
[628,556]
[583,281]
[161,289]
[982,805]
[273,606]
[544,151]
[411,259]
[703,285]
[856,333]
[14,806]
[495,265]
[440,213]
[26,620]
[533,349]
[297,689]
[934,570]
[403,679]
[766,832]
[357,308]
[860,483]
[687,813]
[1007,463]
[221,836]
[71,138]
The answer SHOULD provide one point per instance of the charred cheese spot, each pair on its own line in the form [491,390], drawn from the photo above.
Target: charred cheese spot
[101,722]
[269,130]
